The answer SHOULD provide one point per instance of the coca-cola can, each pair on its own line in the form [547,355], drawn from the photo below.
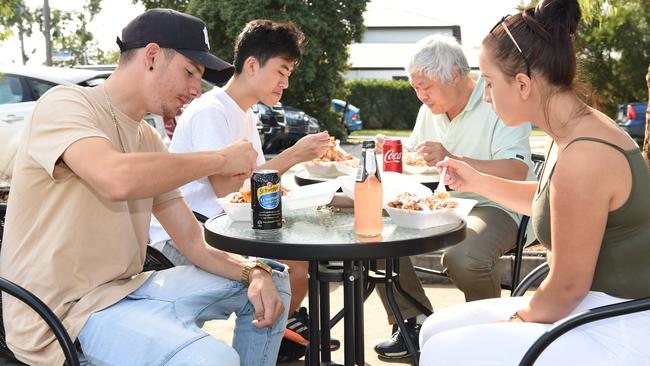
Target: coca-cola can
[392,156]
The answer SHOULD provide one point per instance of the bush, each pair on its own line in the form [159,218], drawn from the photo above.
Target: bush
[384,104]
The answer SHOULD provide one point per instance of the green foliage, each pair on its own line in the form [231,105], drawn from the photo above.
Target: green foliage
[6,13]
[16,15]
[384,104]
[329,27]
[179,5]
[69,32]
[614,50]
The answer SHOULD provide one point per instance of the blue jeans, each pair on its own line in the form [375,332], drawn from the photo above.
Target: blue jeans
[160,323]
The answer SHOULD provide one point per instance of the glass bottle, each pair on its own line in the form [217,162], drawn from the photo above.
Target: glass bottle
[368,196]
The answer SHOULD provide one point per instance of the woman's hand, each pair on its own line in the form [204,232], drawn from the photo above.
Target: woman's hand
[460,176]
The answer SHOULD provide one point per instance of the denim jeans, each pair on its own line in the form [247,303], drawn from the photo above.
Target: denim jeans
[160,323]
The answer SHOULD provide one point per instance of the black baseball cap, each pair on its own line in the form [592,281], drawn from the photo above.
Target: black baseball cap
[182,32]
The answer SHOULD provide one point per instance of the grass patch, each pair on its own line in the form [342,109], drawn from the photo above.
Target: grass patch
[537,132]
[384,132]
[534,132]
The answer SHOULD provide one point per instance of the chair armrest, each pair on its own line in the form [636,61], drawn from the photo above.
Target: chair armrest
[69,349]
[599,313]
[539,272]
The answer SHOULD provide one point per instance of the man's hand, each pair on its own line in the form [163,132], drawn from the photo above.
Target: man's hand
[379,143]
[432,152]
[265,299]
[311,146]
[240,158]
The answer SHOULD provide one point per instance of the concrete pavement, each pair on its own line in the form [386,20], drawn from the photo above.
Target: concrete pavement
[376,326]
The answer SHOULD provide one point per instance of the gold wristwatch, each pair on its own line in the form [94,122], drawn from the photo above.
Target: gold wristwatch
[248,267]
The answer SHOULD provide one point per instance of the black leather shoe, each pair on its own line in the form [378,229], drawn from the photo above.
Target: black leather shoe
[395,347]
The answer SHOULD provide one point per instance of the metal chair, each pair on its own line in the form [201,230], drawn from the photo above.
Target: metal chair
[154,260]
[518,251]
[566,325]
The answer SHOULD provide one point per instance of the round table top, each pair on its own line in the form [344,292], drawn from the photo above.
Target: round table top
[326,234]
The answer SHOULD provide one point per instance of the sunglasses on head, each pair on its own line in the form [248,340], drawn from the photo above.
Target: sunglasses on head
[502,22]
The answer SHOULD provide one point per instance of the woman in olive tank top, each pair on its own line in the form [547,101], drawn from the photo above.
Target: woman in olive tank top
[590,209]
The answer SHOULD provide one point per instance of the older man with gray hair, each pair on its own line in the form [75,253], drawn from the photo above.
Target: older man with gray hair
[455,122]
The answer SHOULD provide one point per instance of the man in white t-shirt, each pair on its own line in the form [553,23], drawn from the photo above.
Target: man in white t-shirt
[265,55]
[455,122]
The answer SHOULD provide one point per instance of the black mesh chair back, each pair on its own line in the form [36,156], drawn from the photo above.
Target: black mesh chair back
[522,239]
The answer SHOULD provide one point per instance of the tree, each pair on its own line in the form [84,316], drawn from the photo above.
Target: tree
[69,32]
[21,18]
[6,12]
[179,5]
[329,27]
[615,65]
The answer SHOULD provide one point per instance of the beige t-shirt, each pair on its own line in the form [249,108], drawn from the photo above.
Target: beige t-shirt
[75,250]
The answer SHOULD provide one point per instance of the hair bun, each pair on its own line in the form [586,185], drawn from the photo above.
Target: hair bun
[558,17]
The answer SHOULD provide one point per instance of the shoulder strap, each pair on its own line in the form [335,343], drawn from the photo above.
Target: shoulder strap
[595,139]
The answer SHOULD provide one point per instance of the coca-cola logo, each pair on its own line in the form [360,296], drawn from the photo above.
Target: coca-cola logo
[392,157]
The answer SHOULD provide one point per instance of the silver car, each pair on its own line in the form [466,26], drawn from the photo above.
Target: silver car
[20,88]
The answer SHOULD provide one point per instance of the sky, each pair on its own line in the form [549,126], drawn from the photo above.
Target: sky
[475,17]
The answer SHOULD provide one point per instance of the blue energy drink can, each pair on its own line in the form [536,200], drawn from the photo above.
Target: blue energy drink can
[266,200]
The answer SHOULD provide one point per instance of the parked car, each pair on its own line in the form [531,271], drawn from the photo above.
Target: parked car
[20,88]
[271,126]
[352,119]
[300,123]
[632,119]
[282,126]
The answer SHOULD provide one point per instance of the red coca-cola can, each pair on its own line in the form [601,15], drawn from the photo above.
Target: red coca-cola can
[393,156]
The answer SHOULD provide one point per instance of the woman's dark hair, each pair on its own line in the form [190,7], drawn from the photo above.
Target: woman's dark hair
[545,35]
[264,39]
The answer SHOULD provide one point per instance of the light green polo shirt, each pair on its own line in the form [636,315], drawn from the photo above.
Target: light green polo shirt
[477,133]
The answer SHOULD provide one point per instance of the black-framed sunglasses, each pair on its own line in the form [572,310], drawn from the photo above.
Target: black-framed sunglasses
[502,22]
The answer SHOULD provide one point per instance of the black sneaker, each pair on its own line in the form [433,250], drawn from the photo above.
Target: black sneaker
[395,347]
[296,337]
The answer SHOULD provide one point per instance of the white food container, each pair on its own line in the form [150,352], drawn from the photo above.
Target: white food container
[428,219]
[312,195]
[331,168]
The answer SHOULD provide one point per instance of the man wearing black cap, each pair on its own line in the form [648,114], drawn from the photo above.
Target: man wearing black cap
[89,173]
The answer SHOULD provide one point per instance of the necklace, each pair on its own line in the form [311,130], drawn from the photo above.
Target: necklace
[117,127]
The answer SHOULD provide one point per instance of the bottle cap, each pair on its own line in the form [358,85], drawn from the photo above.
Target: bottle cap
[368,144]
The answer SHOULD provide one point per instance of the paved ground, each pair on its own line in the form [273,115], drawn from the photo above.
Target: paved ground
[376,328]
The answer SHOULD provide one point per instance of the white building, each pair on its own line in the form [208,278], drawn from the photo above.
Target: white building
[388,40]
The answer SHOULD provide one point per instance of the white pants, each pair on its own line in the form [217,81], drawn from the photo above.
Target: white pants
[467,334]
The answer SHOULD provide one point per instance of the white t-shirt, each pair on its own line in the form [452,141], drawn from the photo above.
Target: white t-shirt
[209,123]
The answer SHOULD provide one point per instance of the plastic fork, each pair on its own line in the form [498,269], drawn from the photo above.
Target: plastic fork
[441,184]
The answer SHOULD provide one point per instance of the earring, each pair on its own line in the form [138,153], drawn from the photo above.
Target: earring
[150,68]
